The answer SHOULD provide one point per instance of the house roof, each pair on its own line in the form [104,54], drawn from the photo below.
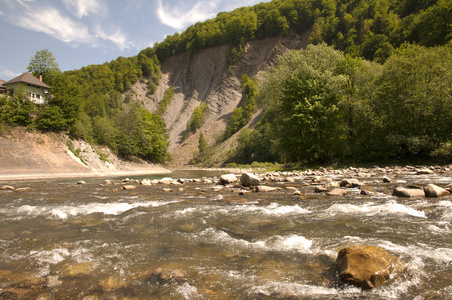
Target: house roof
[27,78]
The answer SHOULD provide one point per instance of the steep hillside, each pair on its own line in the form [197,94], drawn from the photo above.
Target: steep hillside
[206,77]
[33,155]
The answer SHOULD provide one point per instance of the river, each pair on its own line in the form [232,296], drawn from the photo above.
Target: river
[63,240]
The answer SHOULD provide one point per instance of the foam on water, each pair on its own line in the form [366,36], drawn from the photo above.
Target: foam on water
[447,207]
[291,243]
[287,289]
[65,211]
[372,209]
[274,209]
[187,291]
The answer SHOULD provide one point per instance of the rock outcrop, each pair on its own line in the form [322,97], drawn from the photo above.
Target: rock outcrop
[206,77]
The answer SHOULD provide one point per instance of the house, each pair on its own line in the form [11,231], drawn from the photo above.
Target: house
[36,90]
[2,87]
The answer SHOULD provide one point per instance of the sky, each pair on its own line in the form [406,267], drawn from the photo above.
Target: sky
[85,32]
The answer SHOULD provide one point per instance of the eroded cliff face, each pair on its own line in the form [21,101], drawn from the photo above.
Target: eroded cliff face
[207,77]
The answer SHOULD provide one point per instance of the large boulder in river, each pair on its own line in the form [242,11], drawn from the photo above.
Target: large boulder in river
[367,267]
[228,179]
[408,193]
[249,179]
[434,191]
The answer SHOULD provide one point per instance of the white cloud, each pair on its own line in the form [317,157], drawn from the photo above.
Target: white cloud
[83,8]
[116,36]
[53,23]
[94,31]
[178,18]
[7,74]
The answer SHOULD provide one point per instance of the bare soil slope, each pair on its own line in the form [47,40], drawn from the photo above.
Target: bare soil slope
[206,77]
[27,154]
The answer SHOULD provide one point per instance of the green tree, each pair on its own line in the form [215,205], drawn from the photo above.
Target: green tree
[44,63]
[202,145]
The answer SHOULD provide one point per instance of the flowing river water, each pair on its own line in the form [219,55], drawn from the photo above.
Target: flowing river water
[63,240]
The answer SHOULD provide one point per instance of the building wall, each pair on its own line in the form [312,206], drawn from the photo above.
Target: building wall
[34,93]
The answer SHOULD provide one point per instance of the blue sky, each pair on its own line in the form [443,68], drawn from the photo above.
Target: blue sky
[84,32]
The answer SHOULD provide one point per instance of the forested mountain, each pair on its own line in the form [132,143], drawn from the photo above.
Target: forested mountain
[376,87]
[367,28]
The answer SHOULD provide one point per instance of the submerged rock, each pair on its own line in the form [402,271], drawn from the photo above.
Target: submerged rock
[434,191]
[367,267]
[169,273]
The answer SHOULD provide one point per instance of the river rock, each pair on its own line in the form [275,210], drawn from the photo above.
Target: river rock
[337,192]
[146,182]
[346,183]
[129,187]
[167,274]
[366,192]
[265,189]
[227,179]
[424,171]
[249,179]
[408,193]
[387,180]
[321,189]
[6,187]
[166,180]
[23,189]
[434,191]
[367,267]
[112,283]
[81,182]
[289,179]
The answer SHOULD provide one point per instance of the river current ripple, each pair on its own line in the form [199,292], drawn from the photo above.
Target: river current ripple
[61,240]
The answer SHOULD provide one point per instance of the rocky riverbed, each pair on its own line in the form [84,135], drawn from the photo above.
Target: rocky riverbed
[223,235]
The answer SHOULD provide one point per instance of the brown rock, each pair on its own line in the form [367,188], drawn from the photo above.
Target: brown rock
[424,171]
[169,273]
[321,189]
[266,189]
[249,179]
[408,193]
[337,192]
[6,187]
[129,187]
[367,267]
[434,191]
[227,179]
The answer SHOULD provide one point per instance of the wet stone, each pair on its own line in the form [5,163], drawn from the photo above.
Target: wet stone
[337,192]
[129,187]
[6,187]
[169,273]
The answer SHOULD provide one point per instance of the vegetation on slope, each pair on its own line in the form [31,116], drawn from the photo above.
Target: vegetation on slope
[323,106]
[366,28]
